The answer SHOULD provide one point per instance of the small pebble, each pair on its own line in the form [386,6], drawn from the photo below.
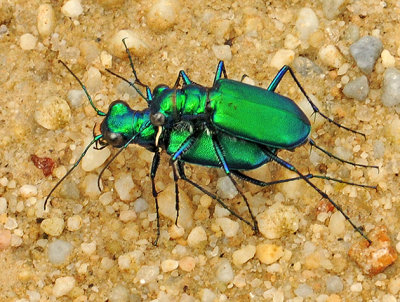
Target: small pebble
[391,87]
[268,253]
[166,202]
[334,284]
[90,185]
[389,298]
[306,67]
[196,236]
[119,294]
[337,224]
[304,290]
[220,211]
[274,268]
[228,226]
[5,239]
[282,57]
[356,287]
[226,188]
[52,113]
[291,42]
[89,248]
[332,8]
[222,52]
[124,185]
[124,262]
[74,223]
[72,8]
[136,42]
[365,52]
[352,33]
[106,198]
[106,59]
[163,14]
[127,215]
[63,286]
[58,251]
[357,89]
[394,286]
[147,273]
[307,23]
[243,255]
[169,265]
[27,191]
[208,295]
[27,42]
[106,263]
[331,56]
[34,296]
[93,81]
[140,205]
[387,59]
[52,226]
[278,220]
[45,20]
[76,97]
[187,263]
[224,271]
[374,258]
[176,231]
[11,223]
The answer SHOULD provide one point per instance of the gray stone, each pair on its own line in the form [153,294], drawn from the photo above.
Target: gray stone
[357,89]
[365,52]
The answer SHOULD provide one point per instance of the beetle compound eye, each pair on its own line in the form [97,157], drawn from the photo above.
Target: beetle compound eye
[157,119]
[115,139]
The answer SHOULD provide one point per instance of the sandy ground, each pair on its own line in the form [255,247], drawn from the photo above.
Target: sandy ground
[252,32]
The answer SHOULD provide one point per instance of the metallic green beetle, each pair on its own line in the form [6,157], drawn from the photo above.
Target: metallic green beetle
[211,127]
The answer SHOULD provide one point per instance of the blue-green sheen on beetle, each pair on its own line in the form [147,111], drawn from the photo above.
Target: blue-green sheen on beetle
[231,125]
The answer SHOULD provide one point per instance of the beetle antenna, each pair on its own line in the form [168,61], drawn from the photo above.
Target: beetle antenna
[118,153]
[95,139]
[99,112]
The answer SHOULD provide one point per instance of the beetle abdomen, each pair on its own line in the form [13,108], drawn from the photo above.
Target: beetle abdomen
[265,117]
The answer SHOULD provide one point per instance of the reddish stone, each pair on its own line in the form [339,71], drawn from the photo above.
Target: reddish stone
[374,258]
[46,164]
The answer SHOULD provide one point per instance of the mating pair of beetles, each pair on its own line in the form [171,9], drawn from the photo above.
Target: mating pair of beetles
[231,125]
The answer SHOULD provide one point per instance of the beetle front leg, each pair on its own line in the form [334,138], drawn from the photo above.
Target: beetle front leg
[154,167]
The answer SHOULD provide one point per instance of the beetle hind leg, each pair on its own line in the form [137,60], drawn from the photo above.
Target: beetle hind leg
[275,82]
[290,167]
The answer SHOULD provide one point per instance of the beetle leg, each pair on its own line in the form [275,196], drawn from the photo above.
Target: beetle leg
[137,81]
[182,75]
[149,96]
[275,82]
[243,77]
[182,175]
[220,154]
[323,194]
[181,150]
[313,144]
[220,70]
[261,183]
[154,167]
